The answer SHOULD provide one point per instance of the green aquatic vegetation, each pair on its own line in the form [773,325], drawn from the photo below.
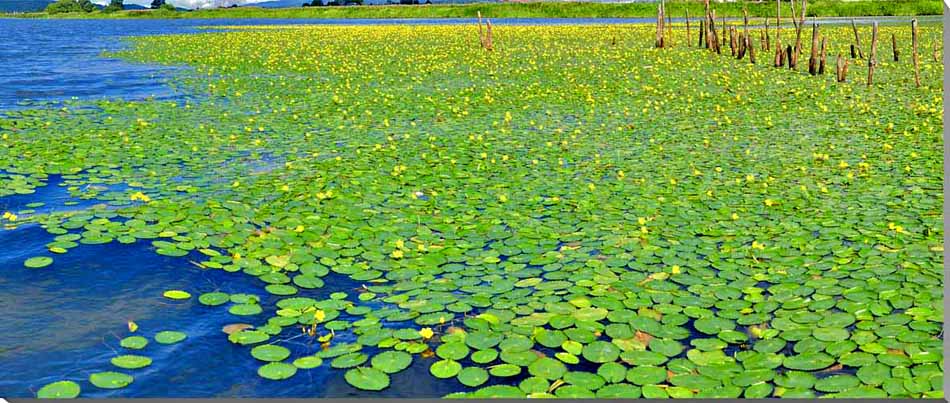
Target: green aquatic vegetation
[59,390]
[38,262]
[134,342]
[131,361]
[176,294]
[110,380]
[575,214]
[169,337]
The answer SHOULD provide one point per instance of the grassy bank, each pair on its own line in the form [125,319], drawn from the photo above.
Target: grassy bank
[823,8]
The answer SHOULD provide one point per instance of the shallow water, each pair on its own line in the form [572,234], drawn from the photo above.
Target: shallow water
[64,321]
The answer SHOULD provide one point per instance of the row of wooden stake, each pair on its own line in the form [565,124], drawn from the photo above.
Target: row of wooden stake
[741,44]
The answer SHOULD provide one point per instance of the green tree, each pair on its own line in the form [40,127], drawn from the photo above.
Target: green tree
[156,4]
[114,5]
[70,6]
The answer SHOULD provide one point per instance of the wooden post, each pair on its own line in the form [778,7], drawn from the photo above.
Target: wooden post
[813,60]
[853,54]
[821,64]
[789,52]
[659,25]
[706,18]
[913,26]
[722,21]
[798,33]
[767,43]
[481,38]
[702,30]
[936,53]
[894,48]
[872,58]
[713,35]
[688,34]
[857,40]
[842,69]
[732,40]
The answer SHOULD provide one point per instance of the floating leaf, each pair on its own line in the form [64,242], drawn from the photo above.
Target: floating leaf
[59,390]
[110,380]
[367,378]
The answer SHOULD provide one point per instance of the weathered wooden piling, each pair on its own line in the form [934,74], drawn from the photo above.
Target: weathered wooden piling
[813,59]
[798,34]
[732,40]
[841,69]
[821,63]
[659,25]
[789,53]
[702,37]
[857,41]
[872,58]
[766,41]
[913,26]
[481,37]
[894,48]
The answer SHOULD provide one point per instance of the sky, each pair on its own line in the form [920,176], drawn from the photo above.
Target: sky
[188,3]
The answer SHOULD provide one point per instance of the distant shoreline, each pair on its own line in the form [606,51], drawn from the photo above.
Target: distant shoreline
[675,8]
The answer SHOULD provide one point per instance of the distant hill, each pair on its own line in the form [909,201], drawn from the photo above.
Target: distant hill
[26,6]
[23,6]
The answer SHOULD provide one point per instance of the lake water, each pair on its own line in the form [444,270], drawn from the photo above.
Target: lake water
[65,323]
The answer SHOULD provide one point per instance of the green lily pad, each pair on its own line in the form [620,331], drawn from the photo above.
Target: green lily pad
[392,362]
[367,378]
[169,337]
[176,294]
[276,371]
[59,390]
[131,361]
[270,353]
[601,352]
[445,369]
[110,380]
[547,368]
[38,262]
[134,342]
[308,362]
[213,298]
[473,376]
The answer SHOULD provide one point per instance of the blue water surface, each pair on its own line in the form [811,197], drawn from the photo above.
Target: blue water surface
[65,321]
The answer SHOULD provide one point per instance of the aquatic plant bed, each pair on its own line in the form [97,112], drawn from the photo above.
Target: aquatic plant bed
[574,213]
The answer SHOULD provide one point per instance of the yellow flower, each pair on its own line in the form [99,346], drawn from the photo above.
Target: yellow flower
[426,333]
[319,315]
[675,269]
[735,216]
[133,326]
[757,245]
[842,164]
[397,254]
[770,202]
